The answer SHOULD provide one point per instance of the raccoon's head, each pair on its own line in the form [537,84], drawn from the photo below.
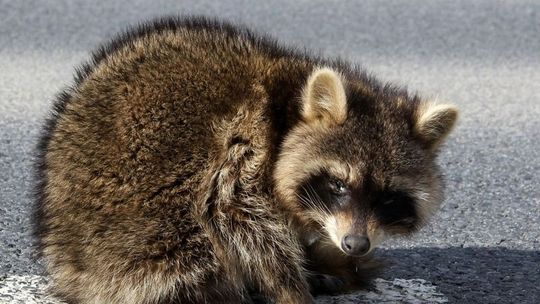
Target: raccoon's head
[361,163]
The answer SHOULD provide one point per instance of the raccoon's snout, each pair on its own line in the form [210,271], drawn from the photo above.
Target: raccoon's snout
[356,245]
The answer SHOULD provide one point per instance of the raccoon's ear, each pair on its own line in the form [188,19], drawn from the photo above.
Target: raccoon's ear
[434,122]
[323,99]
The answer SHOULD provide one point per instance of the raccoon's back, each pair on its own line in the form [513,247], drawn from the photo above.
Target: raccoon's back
[138,127]
[141,113]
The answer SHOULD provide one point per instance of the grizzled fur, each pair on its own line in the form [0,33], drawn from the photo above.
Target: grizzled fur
[193,161]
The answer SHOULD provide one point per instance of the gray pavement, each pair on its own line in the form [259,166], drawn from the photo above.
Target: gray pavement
[484,56]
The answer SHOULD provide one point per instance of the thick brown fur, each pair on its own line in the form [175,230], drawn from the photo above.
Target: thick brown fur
[170,171]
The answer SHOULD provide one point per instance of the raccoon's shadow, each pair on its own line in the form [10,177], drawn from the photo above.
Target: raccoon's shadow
[470,275]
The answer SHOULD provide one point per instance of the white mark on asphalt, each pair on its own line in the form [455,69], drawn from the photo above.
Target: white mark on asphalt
[25,289]
[414,291]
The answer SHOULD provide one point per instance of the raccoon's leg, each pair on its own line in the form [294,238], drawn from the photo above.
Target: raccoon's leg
[152,254]
[352,275]
[331,271]
[320,284]
[247,232]
[216,290]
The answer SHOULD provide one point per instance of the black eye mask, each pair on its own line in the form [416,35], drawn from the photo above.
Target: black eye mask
[324,191]
[315,191]
[396,209]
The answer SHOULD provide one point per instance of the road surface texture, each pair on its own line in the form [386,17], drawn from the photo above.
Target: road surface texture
[484,56]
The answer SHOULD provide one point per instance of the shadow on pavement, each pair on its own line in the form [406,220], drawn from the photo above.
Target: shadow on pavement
[471,275]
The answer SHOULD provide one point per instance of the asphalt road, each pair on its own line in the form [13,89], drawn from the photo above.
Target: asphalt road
[484,56]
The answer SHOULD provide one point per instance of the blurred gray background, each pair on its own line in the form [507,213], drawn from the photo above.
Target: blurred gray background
[484,56]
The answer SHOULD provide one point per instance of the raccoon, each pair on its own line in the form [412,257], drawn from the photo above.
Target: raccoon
[193,161]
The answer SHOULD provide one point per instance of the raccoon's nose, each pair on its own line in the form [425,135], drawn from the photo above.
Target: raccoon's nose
[355,244]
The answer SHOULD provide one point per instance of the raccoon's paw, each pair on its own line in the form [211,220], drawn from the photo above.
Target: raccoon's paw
[325,284]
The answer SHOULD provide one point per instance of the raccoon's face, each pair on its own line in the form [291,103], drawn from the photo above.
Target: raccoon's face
[361,164]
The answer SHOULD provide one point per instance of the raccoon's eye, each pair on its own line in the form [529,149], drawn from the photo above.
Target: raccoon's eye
[389,201]
[337,187]
[396,209]
[393,198]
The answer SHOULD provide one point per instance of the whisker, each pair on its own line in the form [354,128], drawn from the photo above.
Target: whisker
[318,199]
[317,212]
